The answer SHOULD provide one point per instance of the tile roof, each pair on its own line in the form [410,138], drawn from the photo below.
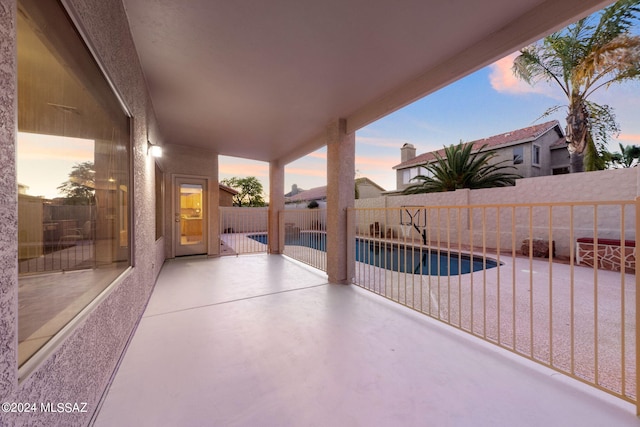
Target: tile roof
[560,143]
[317,193]
[365,180]
[320,193]
[515,136]
[227,189]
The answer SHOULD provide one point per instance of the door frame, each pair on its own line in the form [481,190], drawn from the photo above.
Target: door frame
[175,209]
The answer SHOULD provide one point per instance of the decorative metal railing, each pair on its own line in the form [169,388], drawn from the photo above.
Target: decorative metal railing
[305,236]
[554,283]
[243,230]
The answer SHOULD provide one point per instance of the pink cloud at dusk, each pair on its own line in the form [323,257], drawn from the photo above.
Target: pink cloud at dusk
[629,138]
[44,161]
[502,79]
[384,163]
[48,147]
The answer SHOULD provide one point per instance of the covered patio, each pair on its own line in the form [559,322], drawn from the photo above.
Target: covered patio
[255,339]
[264,340]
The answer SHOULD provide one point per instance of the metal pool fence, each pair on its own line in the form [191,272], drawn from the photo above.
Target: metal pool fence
[304,236]
[563,293]
[554,283]
[237,225]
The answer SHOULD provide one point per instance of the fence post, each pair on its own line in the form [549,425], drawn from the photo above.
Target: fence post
[637,307]
[351,245]
[281,233]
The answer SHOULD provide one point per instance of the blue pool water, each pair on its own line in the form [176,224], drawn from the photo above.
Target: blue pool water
[397,257]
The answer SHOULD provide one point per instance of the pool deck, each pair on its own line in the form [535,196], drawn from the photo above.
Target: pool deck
[264,340]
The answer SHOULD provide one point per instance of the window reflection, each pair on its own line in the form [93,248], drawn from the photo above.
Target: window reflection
[518,155]
[191,214]
[73,176]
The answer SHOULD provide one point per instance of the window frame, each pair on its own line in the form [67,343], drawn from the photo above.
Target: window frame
[536,154]
[159,202]
[37,357]
[518,158]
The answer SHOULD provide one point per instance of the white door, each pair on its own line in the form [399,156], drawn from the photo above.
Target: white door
[190,216]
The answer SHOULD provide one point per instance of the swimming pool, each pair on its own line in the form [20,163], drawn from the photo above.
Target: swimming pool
[397,257]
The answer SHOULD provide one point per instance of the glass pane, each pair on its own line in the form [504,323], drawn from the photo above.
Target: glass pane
[73,176]
[536,155]
[191,214]
[518,155]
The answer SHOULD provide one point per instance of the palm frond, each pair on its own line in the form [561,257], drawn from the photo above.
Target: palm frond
[595,52]
[461,167]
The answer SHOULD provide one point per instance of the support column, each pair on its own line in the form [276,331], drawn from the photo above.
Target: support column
[340,197]
[214,210]
[276,206]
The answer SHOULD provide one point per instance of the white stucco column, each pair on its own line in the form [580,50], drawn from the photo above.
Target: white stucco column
[214,211]
[276,206]
[340,197]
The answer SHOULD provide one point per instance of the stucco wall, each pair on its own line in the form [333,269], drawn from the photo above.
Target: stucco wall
[181,161]
[367,191]
[8,203]
[611,185]
[78,368]
[559,158]
[527,169]
[226,199]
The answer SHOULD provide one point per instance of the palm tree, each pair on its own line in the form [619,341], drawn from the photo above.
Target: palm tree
[459,168]
[628,156]
[581,59]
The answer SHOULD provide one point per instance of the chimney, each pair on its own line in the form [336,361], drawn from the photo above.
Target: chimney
[294,189]
[407,152]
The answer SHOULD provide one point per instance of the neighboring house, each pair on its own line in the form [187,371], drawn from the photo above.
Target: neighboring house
[317,193]
[226,195]
[534,151]
[294,190]
[366,189]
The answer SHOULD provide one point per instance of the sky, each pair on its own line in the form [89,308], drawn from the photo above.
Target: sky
[44,161]
[488,102]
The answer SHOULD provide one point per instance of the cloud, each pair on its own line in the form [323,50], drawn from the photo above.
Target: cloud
[502,80]
[384,163]
[48,147]
[69,154]
[629,138]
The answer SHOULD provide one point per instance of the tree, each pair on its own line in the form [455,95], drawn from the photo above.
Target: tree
[249,191]
[581,59]
[80,188]
[459,168]
[628,157]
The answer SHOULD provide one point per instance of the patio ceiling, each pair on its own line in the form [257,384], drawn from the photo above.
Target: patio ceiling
[261,80]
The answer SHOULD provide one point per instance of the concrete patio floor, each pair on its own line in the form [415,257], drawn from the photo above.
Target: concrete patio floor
[261,340]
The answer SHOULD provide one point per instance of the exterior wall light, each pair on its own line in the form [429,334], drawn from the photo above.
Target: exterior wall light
[154,150]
